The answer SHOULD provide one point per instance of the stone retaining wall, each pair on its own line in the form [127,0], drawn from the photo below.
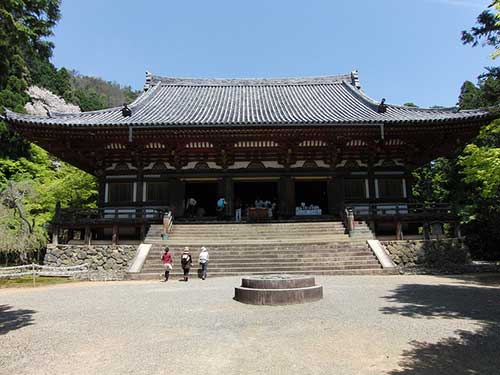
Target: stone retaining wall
[429,256]
[107,262]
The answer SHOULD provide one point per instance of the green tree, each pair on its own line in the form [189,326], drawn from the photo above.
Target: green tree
[481,163]
[471,179]
[487,29]
[24,28]
[18,231]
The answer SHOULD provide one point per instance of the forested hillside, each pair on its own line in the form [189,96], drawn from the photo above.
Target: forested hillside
[31,180]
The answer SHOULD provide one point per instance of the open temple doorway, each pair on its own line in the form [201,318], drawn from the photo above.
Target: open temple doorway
[311,197]
[205,195]
[256,194]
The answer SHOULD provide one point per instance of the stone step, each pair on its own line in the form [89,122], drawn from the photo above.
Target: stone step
[207,242]
[178,276]
[292,236]
[268,245]
[252,236]
[272,270]
[265,226]
[280,259]
[277,253]
[280,266]
[270,252]
[274,254]
[263,248]
[280,244]
[250,228]
[258,225]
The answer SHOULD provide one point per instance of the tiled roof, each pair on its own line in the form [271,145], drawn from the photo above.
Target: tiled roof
[193,102]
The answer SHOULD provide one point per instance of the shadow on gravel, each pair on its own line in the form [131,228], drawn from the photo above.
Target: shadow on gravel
[486,279]
[11,319]
[467,352]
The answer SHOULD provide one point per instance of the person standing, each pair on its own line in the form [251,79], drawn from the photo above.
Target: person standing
[167,262]
[204,262]
[221,205]
[237,209]
[186,262]
[191,207]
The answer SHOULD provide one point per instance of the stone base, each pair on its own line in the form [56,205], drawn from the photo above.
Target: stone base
[278,290]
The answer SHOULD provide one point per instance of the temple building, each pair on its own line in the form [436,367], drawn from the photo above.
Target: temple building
[308,147]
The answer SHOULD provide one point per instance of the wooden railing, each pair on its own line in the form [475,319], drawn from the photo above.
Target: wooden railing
[105,215]
[404,211]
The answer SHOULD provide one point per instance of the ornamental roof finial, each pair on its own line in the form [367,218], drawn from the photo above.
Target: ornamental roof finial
[355,79]
[382,107]
[149,78]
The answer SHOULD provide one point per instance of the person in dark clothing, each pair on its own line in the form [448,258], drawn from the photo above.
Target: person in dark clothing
[186,262]
[221,206]
[237,209]
[167,261]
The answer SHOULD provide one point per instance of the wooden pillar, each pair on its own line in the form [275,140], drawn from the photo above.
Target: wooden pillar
[286,191]
[101,191]
[177,196]
[55,235]
[142,233]
[427,231]
[336,195]
[114,238]
[456,229]
[88,235]
[371,182]
[140,189]
[409,182]
[228,193]
[57,222]
[399,231]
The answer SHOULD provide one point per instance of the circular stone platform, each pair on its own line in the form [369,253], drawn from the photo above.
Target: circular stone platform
[278,290]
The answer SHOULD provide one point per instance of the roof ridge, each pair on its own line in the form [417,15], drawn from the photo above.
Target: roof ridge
[152,80]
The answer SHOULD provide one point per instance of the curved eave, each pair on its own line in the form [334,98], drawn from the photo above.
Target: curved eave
[469,119]
[202,103]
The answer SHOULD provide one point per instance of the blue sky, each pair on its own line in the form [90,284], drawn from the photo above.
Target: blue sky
[405,50]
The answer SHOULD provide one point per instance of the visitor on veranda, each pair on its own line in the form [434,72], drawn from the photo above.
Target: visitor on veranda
[221,205]
[237,210]
[204,262]
[167,262]
[191,207]
[186,262]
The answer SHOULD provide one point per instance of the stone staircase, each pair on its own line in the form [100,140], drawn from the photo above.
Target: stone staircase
[315,248]
[361,231]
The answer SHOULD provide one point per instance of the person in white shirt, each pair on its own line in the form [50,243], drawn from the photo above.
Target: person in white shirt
[191,207]
[204,262]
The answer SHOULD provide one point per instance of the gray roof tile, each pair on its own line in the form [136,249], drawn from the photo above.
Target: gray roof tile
[227,102]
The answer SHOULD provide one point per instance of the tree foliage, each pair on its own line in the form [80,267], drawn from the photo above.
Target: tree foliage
[18,230]
[487,30]
[485,94]
[31,180]
[24,29]
[471,179]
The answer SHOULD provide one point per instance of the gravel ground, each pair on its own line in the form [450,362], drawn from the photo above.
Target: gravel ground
[364,325]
